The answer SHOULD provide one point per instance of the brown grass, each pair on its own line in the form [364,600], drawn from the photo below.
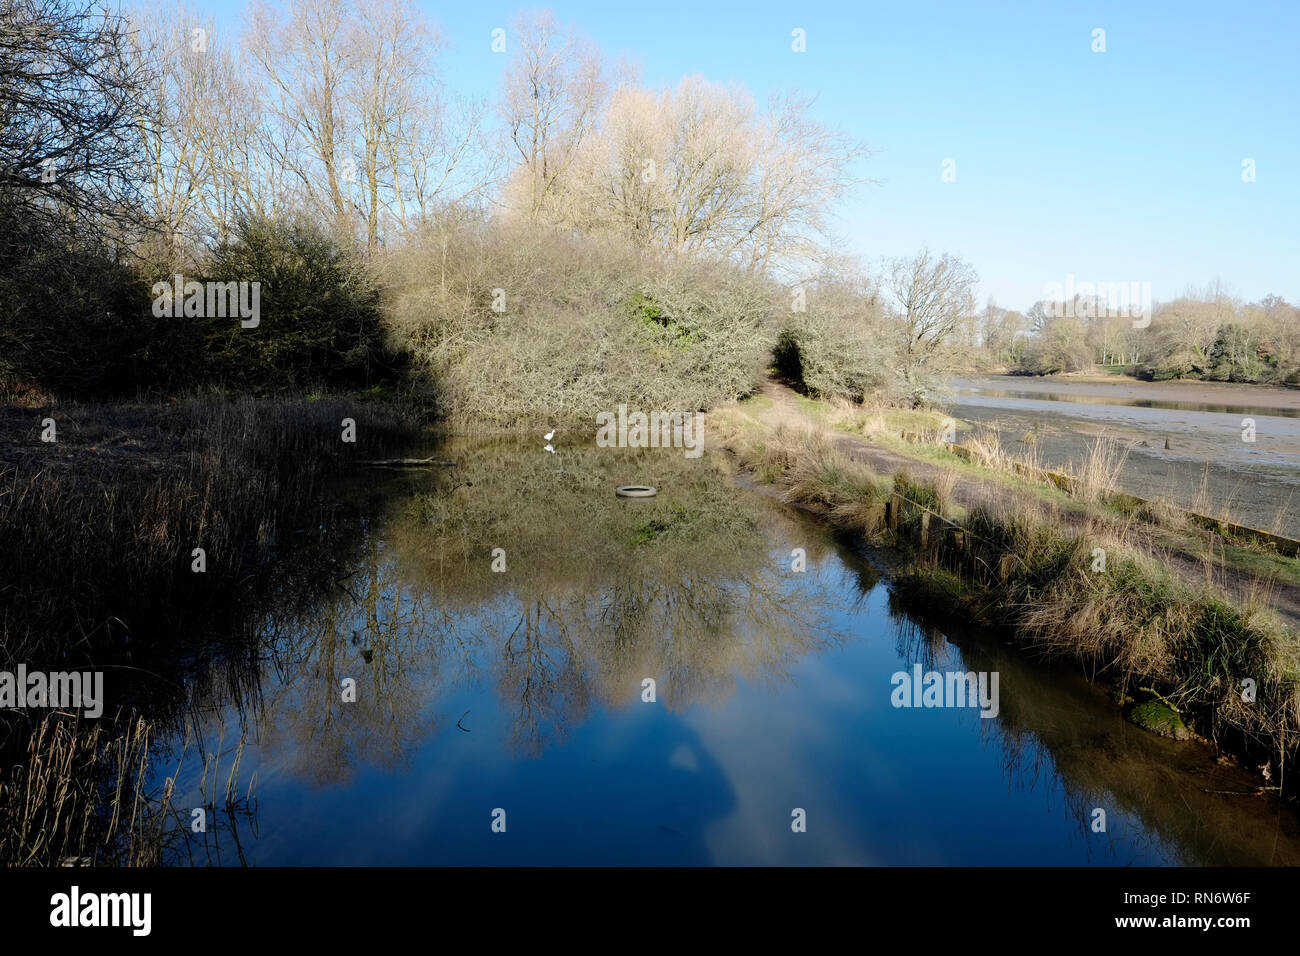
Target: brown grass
[1136,621]
[104,520]
[79,795]
[1098,475]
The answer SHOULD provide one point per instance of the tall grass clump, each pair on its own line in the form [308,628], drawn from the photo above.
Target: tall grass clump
[79,797]
[1098,476]
[1094,593]
[931,495]
[99,527]
[1139,622]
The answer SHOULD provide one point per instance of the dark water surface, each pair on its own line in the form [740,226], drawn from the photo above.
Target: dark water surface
[522,690]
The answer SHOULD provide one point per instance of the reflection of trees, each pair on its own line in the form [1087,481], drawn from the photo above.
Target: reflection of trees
[1053,723]
[371,630]
[599,593]
[541,671]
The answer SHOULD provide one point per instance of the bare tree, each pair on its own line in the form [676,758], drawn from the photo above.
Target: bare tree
[1042,312]
[183,164]
[366,133]
[388,42]
[554,90]
[805,168]
[935,298]
[306,59]
[73,111]
[1003,334]
[700,168]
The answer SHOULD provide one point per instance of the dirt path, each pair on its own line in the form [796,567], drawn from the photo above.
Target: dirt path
[970,492]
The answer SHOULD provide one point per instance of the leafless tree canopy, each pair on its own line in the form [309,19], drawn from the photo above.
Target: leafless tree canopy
[73,116]
[695,169]
[331,121]
[935,299]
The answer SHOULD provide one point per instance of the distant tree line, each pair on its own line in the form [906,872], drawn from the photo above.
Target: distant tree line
[1203,334]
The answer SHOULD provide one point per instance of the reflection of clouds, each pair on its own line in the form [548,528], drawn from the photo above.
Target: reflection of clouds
[695,620]
[762,708]
[715,779]
[781,757]
[683,758]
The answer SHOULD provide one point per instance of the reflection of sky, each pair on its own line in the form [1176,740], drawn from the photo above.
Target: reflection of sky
[715,783]
[882,785]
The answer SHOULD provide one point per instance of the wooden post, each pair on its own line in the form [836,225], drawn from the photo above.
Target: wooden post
[925,529]
[895,513]
[956,542]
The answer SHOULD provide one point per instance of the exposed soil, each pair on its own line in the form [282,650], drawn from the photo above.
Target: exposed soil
[1124,387]
[1189,457]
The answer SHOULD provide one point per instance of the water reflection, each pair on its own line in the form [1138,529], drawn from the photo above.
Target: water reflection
[1056,730]
[522,689]
[597,594]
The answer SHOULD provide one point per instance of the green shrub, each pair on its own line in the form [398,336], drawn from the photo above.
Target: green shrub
[319,311]
[79,320]
[73,317]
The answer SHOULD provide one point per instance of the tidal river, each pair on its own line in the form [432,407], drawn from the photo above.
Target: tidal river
[1185,442]
[504,663]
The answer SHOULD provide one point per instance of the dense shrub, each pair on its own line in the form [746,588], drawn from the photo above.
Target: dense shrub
[1061,346]
[319,311]
[79,320]
[839,344]
[71,316]
[537,327]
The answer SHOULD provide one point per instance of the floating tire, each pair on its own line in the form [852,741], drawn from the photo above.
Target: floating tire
[636,491]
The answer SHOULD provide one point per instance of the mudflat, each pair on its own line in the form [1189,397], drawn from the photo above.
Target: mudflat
[1230,451]
[1124,387]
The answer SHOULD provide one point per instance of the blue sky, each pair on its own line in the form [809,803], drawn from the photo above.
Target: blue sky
[1117,166]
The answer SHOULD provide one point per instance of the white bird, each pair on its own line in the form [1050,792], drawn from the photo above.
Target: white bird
[550,449]
[549,435]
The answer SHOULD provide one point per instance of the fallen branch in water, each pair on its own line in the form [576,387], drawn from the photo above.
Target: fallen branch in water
[410,463]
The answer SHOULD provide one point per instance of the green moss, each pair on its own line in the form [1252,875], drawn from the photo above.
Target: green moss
[934,587]
[659,323]
[1159,718]
[919,492]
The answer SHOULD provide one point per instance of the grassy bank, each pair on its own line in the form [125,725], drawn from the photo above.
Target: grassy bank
[1019,566]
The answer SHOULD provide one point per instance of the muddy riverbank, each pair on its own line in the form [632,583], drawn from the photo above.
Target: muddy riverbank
[1189,443]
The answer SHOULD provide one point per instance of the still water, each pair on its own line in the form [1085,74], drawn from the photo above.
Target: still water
[521,690]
